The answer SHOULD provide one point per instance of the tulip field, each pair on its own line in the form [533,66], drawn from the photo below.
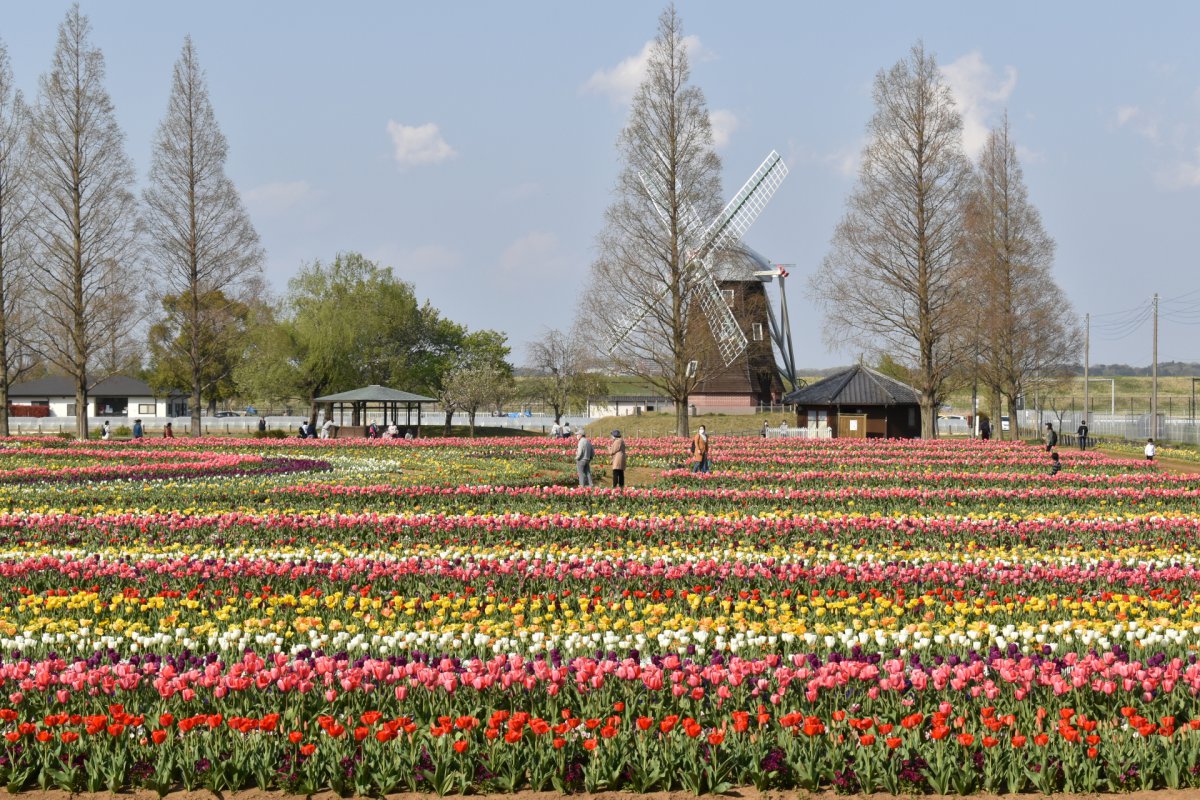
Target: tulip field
[453,616]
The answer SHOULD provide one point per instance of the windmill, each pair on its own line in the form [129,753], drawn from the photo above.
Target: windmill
[723,232]
[781,326]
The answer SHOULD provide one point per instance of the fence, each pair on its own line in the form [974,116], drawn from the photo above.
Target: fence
[1131,427]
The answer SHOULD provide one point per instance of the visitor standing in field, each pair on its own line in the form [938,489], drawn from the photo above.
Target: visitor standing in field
[616,449]
[985,430]
[168,432]
[1050,437]
[1055,464]
[1082,432]
[566,430]
[700,451]
[555,430]
[765,429]
[138,431]
[1151,450]
[105,431]
[584,453]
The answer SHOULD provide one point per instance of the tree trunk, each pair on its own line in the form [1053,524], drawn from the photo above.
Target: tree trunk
[81,415]
[928,416]
[449,420]
[312,412]
[682,422]
[194,411]
[1014,420]
[471,421]
[3,404]
[998,431]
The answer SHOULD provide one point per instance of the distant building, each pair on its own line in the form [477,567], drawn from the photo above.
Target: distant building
[118,396]
[752,380]
[858,402]
[627,405]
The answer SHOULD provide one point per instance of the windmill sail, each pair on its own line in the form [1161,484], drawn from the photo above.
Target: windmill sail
[729,226]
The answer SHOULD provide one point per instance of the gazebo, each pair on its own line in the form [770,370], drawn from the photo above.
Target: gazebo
[388,402]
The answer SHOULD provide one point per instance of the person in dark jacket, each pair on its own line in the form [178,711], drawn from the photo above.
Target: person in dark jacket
[1055,464]
[1082,433]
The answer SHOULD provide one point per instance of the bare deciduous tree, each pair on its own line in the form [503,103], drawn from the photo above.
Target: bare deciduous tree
[894,280]
[561,361]
[1026,329]
[14,213]
[643,264]
[199,233]
[85,216]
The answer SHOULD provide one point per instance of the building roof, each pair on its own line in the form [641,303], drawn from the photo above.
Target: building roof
[63,386]
[854,386]
[375,394]
[739,264]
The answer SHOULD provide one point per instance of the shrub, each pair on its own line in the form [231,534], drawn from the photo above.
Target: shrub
[272,434]
[123,430]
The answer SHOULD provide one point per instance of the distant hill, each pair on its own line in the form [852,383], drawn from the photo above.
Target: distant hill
[1166,369]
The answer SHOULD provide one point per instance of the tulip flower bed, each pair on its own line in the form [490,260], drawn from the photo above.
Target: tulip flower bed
[446,616]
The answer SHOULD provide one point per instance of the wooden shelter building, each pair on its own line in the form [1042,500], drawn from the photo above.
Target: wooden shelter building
[373,401]
[858,402]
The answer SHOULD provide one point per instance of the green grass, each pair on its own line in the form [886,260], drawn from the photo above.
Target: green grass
[663,424]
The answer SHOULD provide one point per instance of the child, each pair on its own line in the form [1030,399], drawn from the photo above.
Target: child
[1150,450]
[1055,464]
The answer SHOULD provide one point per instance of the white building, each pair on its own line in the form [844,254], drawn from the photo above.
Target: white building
[118,396]
[627,405]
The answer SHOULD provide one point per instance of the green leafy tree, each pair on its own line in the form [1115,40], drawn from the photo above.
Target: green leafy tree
[481,358]
[177,348]
[344,324]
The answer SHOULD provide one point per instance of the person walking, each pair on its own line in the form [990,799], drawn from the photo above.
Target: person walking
[555,431]
[985,429]
[616,449]
[584,453]
[262,424]
[1151,450]
[765,428]
[105,431]
[1082,432]
[700,451]
[138,431]
[1050,437]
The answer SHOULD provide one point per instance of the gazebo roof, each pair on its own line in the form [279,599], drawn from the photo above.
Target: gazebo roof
[375,394]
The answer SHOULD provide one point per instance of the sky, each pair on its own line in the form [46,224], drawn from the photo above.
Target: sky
[471,146]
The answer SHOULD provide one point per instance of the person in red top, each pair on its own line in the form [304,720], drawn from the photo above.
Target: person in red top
[168,433]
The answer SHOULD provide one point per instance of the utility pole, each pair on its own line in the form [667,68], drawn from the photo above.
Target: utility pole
[1087,359]
[1154,377]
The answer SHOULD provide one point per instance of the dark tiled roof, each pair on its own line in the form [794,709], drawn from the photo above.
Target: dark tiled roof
[375,394]
[854,386]
[62,386]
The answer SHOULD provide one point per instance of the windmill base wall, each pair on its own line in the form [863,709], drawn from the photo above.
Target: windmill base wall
[728,403]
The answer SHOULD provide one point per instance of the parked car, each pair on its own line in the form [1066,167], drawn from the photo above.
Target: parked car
[227,414]
[1004,423]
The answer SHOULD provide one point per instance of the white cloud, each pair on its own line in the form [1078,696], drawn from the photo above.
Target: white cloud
[274,199]
[724,123]
[535,254]
[621,82]
[980,93]
[846,160]
[1184,174]
[1139,122]
[418,144]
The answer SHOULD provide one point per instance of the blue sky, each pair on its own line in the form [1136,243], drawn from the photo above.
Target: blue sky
[471,146]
